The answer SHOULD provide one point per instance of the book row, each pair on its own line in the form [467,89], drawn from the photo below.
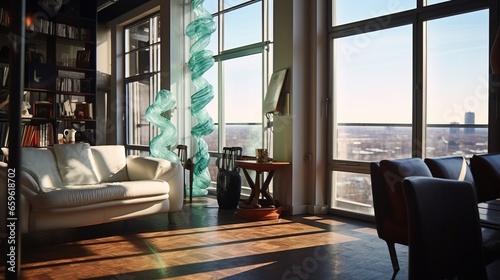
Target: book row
[42,25]
[4,17]
[73,85]
[40,135]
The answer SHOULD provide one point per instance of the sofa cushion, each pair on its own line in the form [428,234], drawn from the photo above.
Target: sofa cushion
[394,171]
[75,164]
[78,195]
[110,163]
[41,164]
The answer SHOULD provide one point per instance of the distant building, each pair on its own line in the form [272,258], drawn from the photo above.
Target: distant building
[454,128]
[470,119]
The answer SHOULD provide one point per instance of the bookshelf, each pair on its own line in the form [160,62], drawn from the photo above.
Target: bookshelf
[60,72]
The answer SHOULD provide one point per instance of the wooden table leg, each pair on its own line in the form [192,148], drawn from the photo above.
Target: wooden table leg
[256,191]
[264,190]
[253,193]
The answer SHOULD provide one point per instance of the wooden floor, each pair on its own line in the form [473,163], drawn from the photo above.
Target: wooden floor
[205,242]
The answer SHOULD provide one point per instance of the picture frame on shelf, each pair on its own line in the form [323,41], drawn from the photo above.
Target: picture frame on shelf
[42,109]
[83,110]
[31,50]
[83,59]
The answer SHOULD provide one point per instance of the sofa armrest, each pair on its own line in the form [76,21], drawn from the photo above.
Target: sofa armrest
[149,168]
[25,207]
[28,178]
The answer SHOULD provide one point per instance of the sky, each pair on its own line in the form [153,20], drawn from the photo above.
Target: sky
[373,72]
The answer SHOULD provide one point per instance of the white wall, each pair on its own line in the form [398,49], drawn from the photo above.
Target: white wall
[300,45]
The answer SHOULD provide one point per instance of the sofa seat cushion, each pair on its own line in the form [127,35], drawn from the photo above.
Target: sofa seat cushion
[79,195]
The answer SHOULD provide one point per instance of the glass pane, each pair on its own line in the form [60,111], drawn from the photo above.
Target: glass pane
[212,6]
[352,192]
[213,45]
[137,62]
[457,85]
[432,2]
[212,107]
[137,36]
[243,89]
[373,95]
[212,140]
[138,100]
[231,3]
[243,26]
[347,11]
[155,30]
[248,137]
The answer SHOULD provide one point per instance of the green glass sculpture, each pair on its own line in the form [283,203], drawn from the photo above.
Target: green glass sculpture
[157,114]
[199,31]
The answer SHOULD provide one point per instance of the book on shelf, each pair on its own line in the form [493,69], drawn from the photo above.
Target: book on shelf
[84,34]
[40,135]
[4,17]
[4,73]
[73,84]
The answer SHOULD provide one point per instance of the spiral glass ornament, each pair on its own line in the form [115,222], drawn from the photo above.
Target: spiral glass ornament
[159,146]
[199,31]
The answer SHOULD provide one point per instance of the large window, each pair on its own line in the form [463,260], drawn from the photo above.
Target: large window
[142,80]
[457,87]
[240,74]
[242,51]
[409,80]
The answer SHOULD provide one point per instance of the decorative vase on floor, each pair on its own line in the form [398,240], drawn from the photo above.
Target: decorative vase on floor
[495,55]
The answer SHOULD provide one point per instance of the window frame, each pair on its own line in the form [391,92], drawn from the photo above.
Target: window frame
[417,18]
[152,75]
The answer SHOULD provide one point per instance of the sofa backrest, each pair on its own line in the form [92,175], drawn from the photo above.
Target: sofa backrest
[75,164]
[110,163]
[41,164]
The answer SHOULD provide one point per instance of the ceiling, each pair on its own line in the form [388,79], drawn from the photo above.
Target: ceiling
[111,9]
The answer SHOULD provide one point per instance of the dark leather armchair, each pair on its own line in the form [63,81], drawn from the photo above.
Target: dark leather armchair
[486,170]
[388,200]
[450,167]
[445,240]
[456,168]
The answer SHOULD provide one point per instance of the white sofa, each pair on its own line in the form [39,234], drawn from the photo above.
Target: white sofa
[73,185]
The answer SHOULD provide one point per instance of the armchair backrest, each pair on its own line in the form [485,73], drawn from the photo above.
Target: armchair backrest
[486,170]
[381,202]
[450,167]
[393,172]
[445,239]
[388,198]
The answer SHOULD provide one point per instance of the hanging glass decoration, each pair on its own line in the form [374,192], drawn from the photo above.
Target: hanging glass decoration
[157,114]
[199,31]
